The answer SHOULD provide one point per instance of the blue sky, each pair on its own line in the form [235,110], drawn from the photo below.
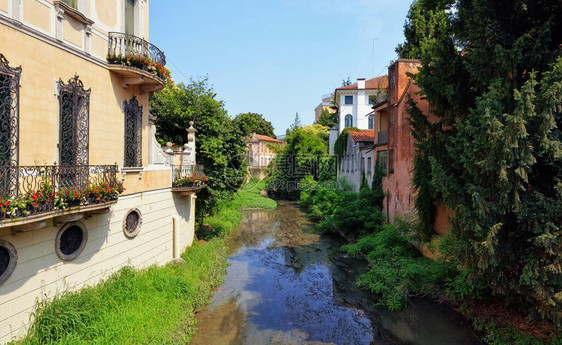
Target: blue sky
[277,57]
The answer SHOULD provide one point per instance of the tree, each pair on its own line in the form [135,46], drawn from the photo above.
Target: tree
[494,153]
[219,143]
[346,82]
[328,119]
[425,21]
[296,124]
[252,122]
[304,152]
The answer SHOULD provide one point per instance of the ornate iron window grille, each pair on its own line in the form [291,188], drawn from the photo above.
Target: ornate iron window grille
[9,125]
[133,133]
[74,101]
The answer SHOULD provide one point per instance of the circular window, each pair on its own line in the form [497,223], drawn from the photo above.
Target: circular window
[71,240]
[132,223]
[8,260]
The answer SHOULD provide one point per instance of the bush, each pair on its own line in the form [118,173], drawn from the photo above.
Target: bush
[396,268]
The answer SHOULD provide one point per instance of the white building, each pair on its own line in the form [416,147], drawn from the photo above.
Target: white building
[358,159]
[355,103]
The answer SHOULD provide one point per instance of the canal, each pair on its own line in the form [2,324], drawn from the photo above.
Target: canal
[287,285]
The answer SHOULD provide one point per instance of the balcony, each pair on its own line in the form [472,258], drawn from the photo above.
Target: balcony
[186,181]
[382,138]
[29,195]
[137,61]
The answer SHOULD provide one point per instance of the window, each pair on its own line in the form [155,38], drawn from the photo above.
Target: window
[8,260]
[70,241]
[348,120]
[343,164]
[363,164]
[348,100]
[71,3]
[74,110]
[371,121]
[370,100]
[133,133]
[391,161]
[9,115]
[130,17]
[369,163]
[382,160]
[347,159]
[352,163]
[132,223]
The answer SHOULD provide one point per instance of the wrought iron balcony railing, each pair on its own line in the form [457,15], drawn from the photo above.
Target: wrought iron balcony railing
[382,137]
[31,190]
[121,44]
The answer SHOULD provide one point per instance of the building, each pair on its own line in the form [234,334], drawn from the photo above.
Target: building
[326,104]
[260,153]
[354,103]
[75,78]
[359,158]
[394,143]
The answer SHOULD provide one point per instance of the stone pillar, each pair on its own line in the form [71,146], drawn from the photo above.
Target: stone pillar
[189,148]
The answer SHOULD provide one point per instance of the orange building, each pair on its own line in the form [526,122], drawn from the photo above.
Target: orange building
[394,144]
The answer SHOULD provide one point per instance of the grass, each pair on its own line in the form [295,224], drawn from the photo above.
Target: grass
[156,305]
[229,216]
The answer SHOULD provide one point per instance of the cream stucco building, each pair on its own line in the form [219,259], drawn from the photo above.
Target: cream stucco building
[75,78]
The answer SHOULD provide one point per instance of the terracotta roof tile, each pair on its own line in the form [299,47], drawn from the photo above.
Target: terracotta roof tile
[266,138]
[362,135]
[374,83]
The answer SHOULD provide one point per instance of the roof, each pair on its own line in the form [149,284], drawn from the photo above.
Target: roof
[374,83]
[266,138]
[362,135]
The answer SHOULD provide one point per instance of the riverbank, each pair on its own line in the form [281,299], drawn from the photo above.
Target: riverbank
[156,305]
[397,269]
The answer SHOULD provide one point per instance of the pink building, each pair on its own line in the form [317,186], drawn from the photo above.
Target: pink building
[260,152]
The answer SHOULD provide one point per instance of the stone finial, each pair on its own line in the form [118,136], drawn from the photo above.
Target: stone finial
[169,148]
[191,132]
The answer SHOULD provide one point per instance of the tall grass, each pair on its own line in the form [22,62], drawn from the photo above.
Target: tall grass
[229,215]
[156,305]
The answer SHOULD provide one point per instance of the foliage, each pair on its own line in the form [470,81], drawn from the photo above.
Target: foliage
[425,21]
[496,335]
[340,146]
[396,268]
[156,305]
[296,124]
[142,62]
[220,147]
[328,119]
[493,154]
[254,123]
[346,82]
[306,148]
[342,211]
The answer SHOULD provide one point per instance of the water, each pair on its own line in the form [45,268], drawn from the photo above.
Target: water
[287,285]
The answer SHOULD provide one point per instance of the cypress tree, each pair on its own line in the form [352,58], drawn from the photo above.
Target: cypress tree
[494,79]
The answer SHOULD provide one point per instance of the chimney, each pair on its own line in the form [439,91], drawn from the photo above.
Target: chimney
[360,83]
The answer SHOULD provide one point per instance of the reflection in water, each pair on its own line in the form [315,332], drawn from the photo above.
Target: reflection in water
[286,285]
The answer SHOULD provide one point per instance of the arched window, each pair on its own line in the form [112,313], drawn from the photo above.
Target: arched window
[348,120]
[371,121]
